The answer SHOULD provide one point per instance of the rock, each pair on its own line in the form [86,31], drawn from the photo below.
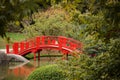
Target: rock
[3,58]
[16,58]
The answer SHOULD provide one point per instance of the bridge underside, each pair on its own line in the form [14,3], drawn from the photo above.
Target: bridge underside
[64,50]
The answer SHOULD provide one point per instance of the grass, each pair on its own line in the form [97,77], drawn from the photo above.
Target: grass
[14,37]
[2,43]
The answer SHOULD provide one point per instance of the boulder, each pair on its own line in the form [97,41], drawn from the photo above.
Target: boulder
[16,58]
[3,58]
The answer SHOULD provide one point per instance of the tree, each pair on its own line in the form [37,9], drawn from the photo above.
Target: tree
[54,21]
[14,10]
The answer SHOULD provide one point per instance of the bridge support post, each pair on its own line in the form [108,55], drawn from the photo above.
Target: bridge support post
[34,56]
[38,55]
[66,56]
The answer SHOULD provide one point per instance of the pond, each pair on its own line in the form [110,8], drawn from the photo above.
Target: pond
[20,71]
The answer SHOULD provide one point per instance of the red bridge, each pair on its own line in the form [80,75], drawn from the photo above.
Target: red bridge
[63,44]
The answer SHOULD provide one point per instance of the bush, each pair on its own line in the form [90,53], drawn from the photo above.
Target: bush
[49,72]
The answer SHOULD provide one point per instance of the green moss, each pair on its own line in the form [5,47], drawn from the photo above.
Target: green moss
[49,72]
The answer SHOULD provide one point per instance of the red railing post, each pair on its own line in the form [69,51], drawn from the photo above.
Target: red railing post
[38,41]
[73,46]
[32,43]
[53,42]
[43,40]
[21,46]
[49,41]
[27,45]
[7,49]
[15,47]
[62,41]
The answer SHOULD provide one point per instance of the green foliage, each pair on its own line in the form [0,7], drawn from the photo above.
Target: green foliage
[85,68]
[49,72]
[115,59]
[96,49]
[105,66]
[99,19]
[110,70]
[99,28]
[110,12]
[52,22]
[14,10]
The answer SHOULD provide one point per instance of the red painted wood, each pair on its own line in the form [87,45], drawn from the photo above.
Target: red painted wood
[73,46]
[27,45]
[7,49]
[43,40]
[15,48]
[53,42]
[49,42]
[65,45]
[38,42]
[32,43]
[21,46]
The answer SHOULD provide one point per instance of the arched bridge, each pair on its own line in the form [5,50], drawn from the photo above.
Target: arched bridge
[63,44]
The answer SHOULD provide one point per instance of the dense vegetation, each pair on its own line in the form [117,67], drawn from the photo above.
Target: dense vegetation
[94,22]
[102,67]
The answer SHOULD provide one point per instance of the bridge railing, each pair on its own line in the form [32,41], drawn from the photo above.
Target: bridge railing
[59,41]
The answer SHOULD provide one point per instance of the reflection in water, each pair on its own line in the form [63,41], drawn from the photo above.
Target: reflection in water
[20,71]
[16,64]
[15,72]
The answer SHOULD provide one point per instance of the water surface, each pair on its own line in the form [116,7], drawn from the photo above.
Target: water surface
[20,71]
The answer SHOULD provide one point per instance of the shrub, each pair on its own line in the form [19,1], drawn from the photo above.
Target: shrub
[49,72]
